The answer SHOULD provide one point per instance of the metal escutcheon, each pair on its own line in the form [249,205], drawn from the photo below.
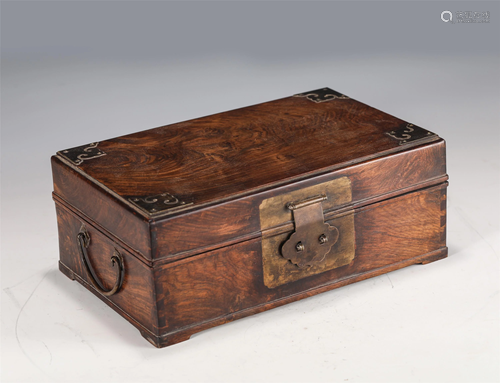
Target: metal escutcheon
[313,238]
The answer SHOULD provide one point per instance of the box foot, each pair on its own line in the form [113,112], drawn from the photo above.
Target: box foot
[167,340]
[66,271]
[443,253]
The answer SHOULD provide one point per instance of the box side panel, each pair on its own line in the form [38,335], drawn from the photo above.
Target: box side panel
[230,222]
[225,284]
[135,300]
[100,207]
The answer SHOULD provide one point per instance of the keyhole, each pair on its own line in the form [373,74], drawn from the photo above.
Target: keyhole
[322,239]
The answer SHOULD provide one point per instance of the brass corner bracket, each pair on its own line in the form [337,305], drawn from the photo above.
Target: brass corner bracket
[409,133]
[158,203]
[82,153]
[322,95]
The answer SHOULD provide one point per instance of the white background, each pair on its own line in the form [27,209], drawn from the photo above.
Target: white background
[62,88]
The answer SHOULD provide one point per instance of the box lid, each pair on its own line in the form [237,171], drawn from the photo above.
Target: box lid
[184,166]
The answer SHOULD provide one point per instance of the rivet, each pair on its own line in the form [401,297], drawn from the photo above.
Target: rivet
[299,246]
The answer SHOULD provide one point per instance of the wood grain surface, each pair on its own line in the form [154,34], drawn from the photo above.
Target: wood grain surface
[170,302]
[371,180]
[220,156]
[136,298]
[203,266]
[231,221]
[100,207]
[230,279]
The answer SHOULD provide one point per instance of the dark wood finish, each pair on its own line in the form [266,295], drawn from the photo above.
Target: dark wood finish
[228,222]
[230,279]
[185,334]
[219,157]
[201,264]
[371,180]
[105,211]
[136,298]
[222,285]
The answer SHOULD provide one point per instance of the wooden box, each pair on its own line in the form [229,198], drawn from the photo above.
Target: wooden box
[195,224]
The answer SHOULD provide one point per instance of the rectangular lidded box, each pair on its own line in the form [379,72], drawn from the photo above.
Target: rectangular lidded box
[191,225]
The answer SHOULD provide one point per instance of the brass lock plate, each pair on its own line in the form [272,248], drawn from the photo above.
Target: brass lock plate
[313,238]
[316,245]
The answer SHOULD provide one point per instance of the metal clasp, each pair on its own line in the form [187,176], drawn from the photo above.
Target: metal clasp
[313,238]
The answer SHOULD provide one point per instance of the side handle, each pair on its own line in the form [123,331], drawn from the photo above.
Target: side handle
[83,239]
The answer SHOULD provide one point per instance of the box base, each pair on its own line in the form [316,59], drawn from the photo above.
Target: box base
[185,333]
[147,334]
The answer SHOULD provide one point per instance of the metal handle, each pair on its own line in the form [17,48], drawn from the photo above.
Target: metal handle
[83,239]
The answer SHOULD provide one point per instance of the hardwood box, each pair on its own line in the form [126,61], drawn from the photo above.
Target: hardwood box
[191,225]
